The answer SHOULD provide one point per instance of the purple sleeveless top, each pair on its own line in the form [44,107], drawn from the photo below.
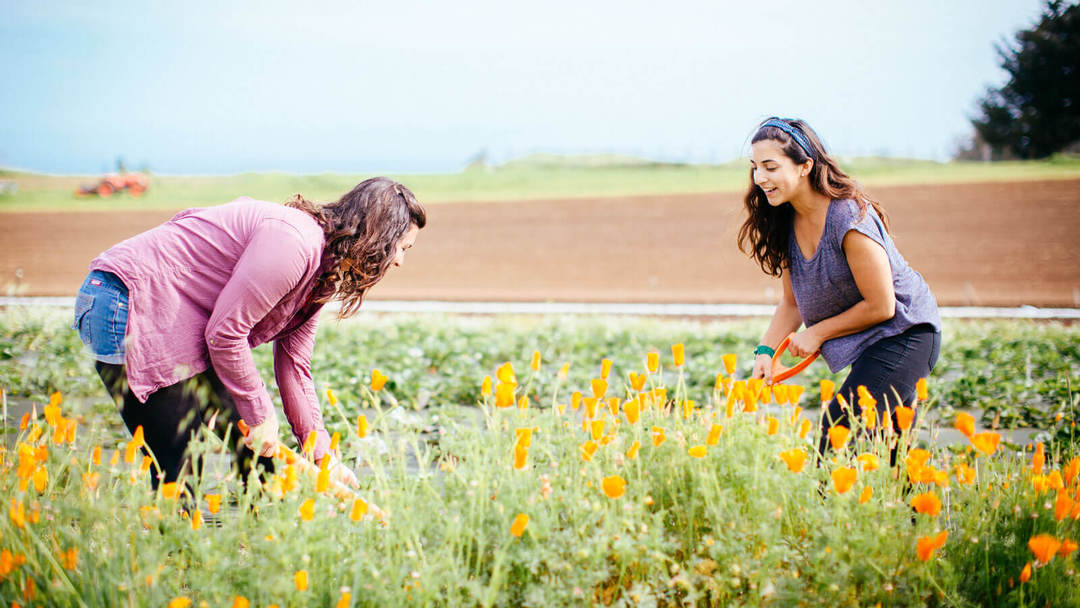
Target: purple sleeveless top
[824,286]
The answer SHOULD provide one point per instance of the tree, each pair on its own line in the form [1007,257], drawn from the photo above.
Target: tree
[1037,113]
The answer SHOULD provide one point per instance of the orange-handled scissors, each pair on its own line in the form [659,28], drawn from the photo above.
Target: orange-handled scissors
[788,372]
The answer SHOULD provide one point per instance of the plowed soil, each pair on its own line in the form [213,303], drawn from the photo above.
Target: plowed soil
[1002,244]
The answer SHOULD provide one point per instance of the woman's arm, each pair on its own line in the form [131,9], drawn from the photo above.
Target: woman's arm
[292,370]
[785,320]
[870,267]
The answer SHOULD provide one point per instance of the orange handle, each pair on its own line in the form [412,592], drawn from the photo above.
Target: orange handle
[793,370]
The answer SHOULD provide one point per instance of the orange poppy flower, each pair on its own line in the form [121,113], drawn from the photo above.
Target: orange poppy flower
[922,393]
[358,510]
[904,417]
[564,371]
[827,387]
[927,545]
[780,393]
[844,479]
[301,580]
[1063,505]
[729,362]
[795,459]
[633,410]
[588,449]
[599,387]
[378,380]
[196,520]
[534,365]
[613,404]
[658,436]
[1038,460]
[794,393]
[596,427]
[869,416]
[505,373]
[213,502]
[965,423]
[169,490]
[635,447]
[688,409]
[986,443]
[869,462]
[714,434]
[1044,547]
[521,457]
[361,426]
[307,509]
[838,436]
[772,425]
[1072,470]
[605,368]
[335,439]
[523,436]
[698,451]
[678,353]
[590,407]
[637,381]
[180,602]
[927,503]
[614,486]
[523,402]
[240,601]
[652,362]
[90,480]
[504,394]
[866,495]
[765,395]
[749,401]
[485,386]
[965,474]
[1025,574]
[517,528]
[309,443]
[804,429]
[575,400]
[1067,547]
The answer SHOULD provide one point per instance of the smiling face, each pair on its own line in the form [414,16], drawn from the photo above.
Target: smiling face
[405,244]
[776,174]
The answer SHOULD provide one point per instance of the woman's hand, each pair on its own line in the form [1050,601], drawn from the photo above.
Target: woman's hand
[341,473]
[763,368]
[804,343]
[263,437]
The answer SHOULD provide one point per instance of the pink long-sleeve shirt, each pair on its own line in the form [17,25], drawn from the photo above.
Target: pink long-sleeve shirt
[212,283]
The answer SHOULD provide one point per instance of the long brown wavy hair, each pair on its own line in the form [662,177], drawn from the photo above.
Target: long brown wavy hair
[766,233]
[362,231]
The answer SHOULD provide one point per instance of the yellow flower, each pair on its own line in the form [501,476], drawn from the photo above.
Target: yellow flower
[614,486]
[564,371]
[773,425]
[1063,505]
[869,462]
[965,474]
[213,502]
[180,602]
[866,495]
[1038,460]
[345,601]
[965,423]
[505,373]
[517,528]
[330,397]
[504,394]
[301,580]
[869,416]
[827,388]
[322,480]
[652,362]
[485,386]
[838,436]
[1067,547]
[588,449]
[309,443]
[534,365]
[795,459]
[921,390]
[90,480]
[196,520]
[521,457]
[69,559]
[804,428]
[1044,547]
[378,380]
[986,443]
[637,381]
[335,440]
[613,405]
[633,410]
[359,508]
[307,509]
[575,400]
[843,479]
[1025,574]
[795,392]
[240,601]
[635,447]
[169,490]
[605,368]
[599,387]
[698,451]
[658,436]
[678,353]
[729,362]
[597,429]
[927,503]
[361,426]
[714,434]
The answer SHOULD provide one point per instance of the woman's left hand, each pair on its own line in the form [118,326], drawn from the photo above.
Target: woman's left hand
[804,343]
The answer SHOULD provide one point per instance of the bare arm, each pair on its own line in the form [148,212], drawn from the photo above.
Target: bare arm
[873,276]
[785,320]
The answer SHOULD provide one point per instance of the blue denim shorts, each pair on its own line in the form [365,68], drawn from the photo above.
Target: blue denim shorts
[101,314]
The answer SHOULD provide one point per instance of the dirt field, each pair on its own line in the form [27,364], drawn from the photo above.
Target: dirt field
[1001,244]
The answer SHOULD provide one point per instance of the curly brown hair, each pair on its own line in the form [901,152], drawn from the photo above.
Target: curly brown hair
[362,231]
[765,234]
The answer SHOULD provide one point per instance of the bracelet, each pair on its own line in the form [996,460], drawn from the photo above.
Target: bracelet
[764,350]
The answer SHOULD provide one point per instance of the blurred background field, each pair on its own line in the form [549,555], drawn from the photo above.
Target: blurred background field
[529,178]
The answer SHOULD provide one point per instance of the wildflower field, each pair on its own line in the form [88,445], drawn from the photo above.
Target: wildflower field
[528,461]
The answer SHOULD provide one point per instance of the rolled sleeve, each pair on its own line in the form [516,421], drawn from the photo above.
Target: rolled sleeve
[274,262]
[292,370]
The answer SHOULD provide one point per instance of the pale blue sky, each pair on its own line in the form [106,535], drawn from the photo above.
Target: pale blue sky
[222,87]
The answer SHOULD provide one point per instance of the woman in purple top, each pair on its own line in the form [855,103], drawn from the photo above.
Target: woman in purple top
[861,303]
[171,315]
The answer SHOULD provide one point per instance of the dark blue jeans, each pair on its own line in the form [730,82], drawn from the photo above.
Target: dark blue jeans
[101,314]
[890,363]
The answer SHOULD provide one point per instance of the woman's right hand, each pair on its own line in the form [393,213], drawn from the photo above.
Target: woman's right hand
[763,368]
[263,437]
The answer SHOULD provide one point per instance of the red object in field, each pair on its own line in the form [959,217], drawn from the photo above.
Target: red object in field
[134,183]
[780,373]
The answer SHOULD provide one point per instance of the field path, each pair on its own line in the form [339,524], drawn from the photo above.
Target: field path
[1003,244]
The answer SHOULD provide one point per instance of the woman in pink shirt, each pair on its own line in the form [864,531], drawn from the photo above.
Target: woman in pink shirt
[172,314]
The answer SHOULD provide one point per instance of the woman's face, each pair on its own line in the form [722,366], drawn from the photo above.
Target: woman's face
[405,244]
[777,175]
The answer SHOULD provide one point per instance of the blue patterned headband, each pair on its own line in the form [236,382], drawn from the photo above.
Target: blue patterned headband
[795,134]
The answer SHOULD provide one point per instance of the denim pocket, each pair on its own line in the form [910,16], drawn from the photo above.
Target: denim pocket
[83,303]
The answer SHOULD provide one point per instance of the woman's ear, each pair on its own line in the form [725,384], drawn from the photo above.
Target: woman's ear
[804,169]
